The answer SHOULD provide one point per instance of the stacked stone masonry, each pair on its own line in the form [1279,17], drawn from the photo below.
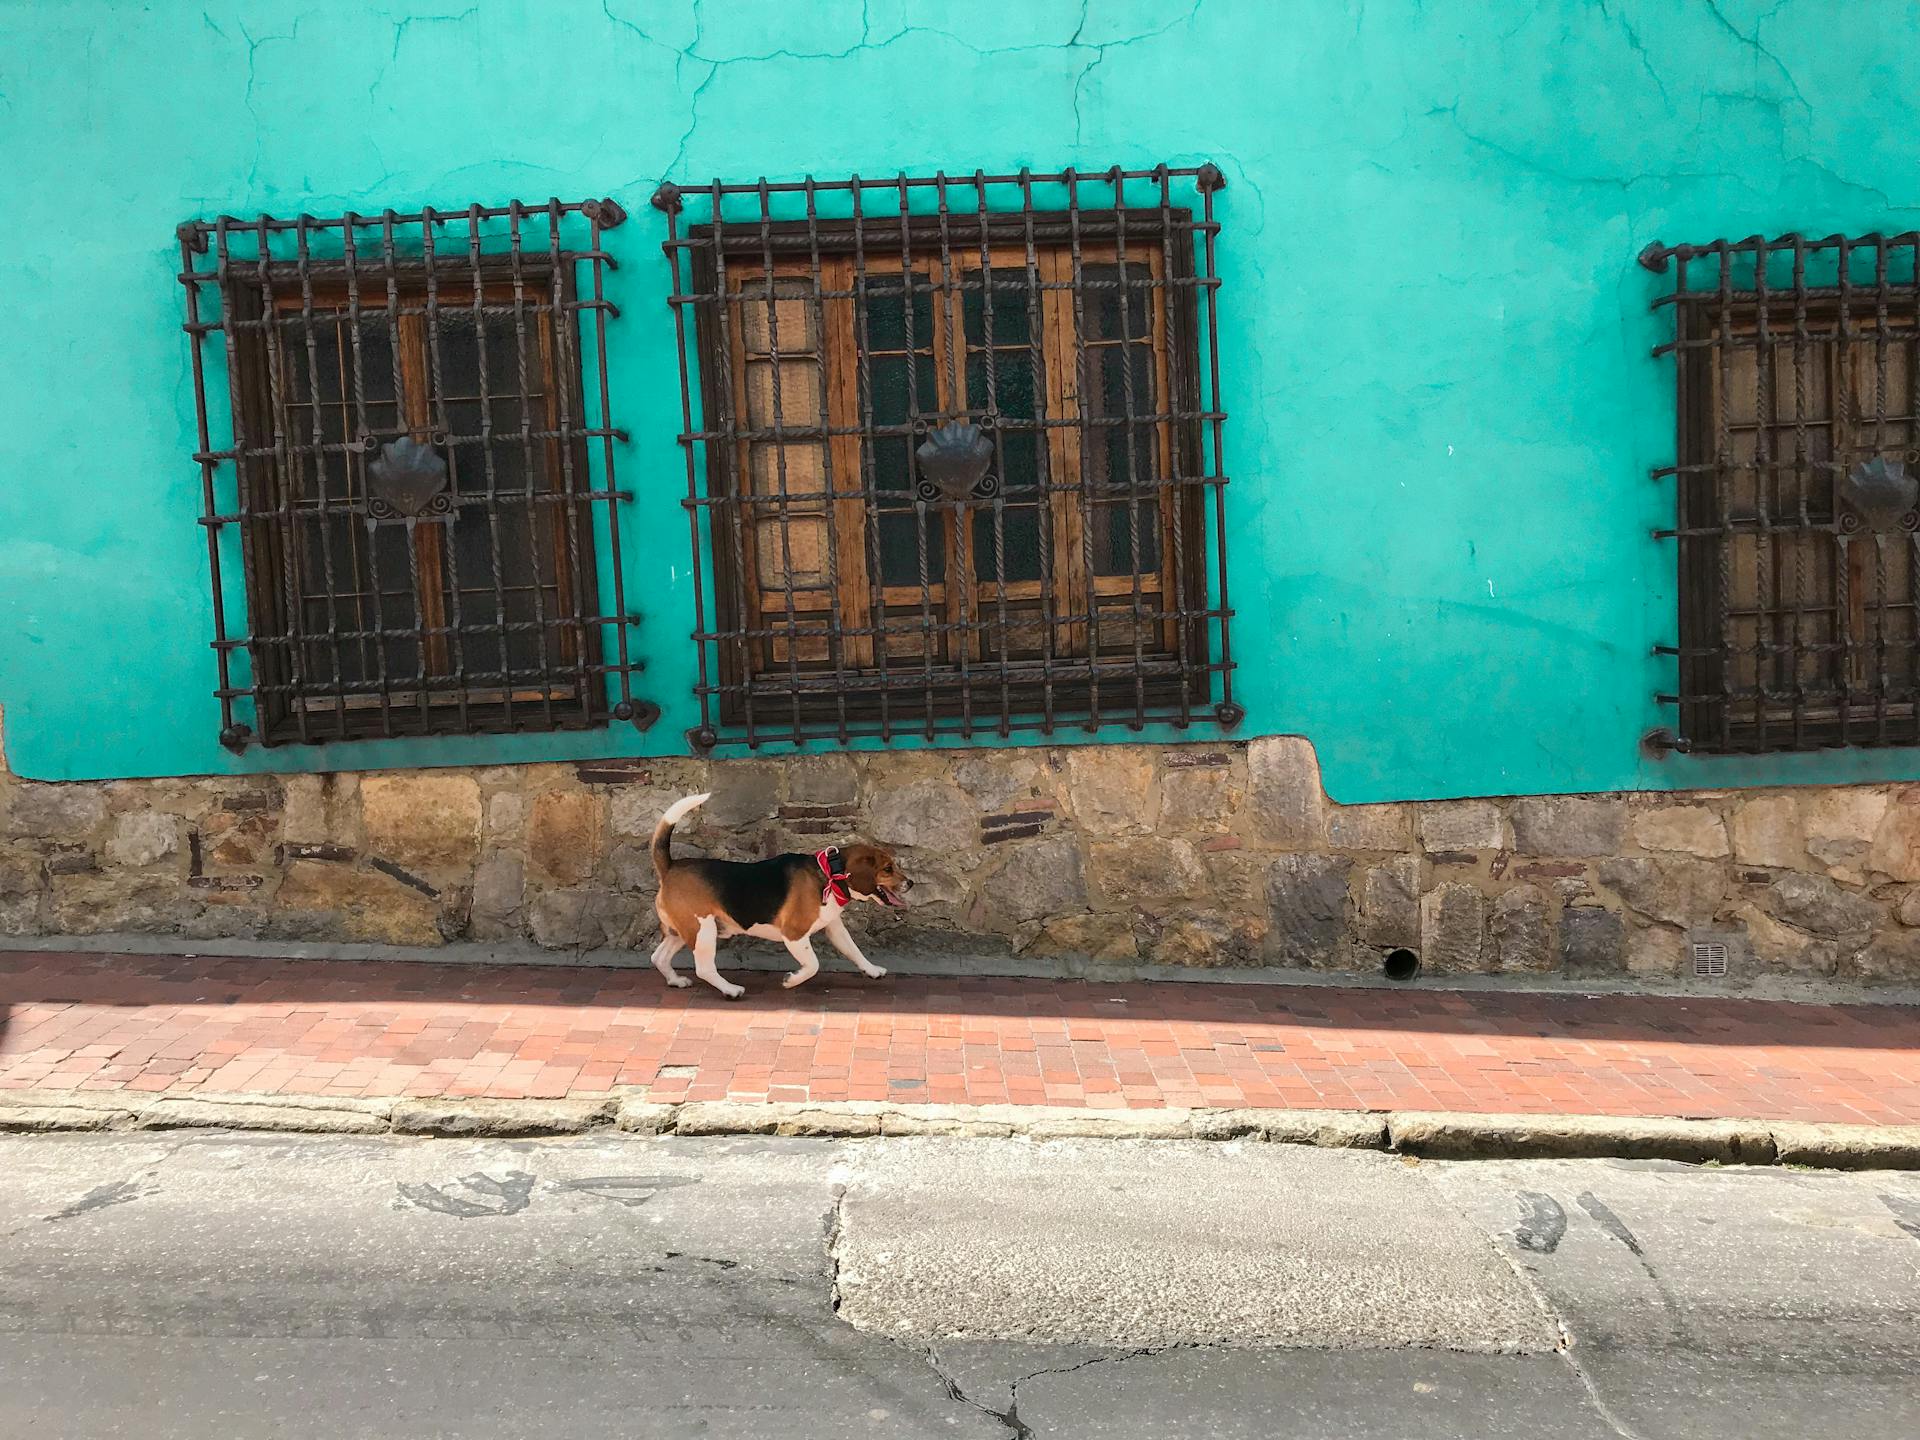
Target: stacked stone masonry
[1206,855]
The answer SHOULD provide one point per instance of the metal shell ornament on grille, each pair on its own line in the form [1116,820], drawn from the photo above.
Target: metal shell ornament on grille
[953,463]
[1879,496]
[407,481]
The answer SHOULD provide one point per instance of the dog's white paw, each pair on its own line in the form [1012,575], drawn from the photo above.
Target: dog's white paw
[876,972]
[678,982]
[793,980]
[733,992]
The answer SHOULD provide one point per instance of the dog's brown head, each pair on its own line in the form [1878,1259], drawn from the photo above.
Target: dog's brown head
[872,874]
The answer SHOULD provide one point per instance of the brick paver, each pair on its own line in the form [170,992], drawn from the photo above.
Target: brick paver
[362,1028]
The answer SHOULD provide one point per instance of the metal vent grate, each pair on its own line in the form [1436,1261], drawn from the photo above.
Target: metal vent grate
[1709,959]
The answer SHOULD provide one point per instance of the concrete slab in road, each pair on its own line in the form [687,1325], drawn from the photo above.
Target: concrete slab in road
[338,1288]
[1131,1244]
[1756,1302]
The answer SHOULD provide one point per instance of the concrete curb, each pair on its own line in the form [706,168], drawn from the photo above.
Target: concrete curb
[1450,1136]
[295,1114]
[1849,1147]
[501,1117]
[1440,1136]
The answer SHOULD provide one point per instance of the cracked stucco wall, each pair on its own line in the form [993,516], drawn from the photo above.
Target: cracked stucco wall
[1434,339]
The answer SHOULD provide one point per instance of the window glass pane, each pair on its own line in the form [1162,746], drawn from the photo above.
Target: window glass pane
[495,444]
[1111,295]
[338,596]
[1893,632]
[901,388]
[901,538]
[391,605]
[1000,385]
[1012,307]
[1016,528]
[320,379]
[1124,457]
[886,314]
[503,557]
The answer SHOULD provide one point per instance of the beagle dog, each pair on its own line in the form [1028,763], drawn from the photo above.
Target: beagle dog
[788,898]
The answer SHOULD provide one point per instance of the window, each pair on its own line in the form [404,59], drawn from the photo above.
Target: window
[1797,499]
[957,469]
[410,483]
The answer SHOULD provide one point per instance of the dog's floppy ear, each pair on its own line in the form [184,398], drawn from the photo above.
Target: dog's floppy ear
[872,875]
[862,864]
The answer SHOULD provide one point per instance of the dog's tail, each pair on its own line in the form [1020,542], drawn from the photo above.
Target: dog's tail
[663,832]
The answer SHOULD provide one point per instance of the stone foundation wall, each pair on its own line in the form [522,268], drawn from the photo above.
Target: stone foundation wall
[1213,854]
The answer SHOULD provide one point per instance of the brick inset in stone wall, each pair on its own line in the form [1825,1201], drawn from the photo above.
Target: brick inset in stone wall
[1211,854]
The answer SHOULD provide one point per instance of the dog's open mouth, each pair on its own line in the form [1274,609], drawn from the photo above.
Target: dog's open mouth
[887,898]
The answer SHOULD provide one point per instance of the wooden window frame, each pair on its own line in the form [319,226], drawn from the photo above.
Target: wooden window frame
[1845,336]
[275,577]
[955,686]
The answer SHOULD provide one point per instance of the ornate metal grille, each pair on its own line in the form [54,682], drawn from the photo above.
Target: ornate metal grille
[957,464]
[1797,501]
[409,479]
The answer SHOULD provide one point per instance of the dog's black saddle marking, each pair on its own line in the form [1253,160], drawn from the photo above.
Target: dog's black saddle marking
[752,892]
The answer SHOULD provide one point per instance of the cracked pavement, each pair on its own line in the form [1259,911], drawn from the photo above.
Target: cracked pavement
[614,1285]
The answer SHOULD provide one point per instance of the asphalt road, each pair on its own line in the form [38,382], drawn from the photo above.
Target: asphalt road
[213,1285]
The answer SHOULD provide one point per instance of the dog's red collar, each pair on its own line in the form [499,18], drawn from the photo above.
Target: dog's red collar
[836,886]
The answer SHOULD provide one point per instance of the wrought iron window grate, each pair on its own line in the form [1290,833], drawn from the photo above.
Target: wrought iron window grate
[1797,516]
[953,453]
[417,481]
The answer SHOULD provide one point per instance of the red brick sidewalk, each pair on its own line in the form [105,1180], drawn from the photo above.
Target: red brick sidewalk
[358,1028]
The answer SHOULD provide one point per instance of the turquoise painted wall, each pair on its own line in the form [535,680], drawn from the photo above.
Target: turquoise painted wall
[1435,341]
